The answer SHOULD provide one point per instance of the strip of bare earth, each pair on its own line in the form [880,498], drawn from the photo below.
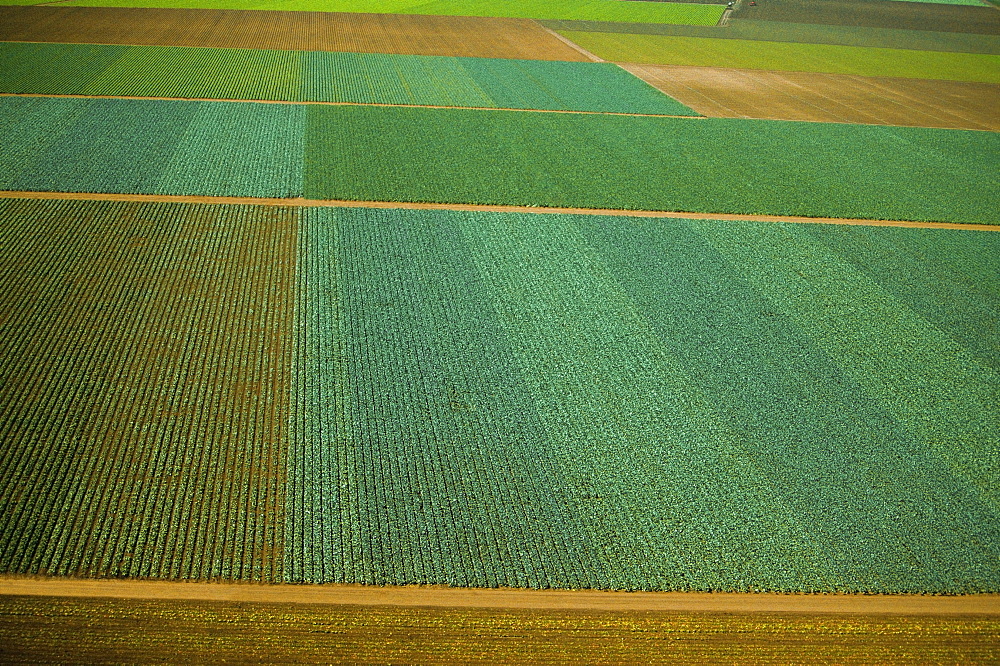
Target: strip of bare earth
[445,597]
[333,203]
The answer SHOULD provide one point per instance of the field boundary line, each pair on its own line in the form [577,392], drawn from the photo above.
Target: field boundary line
[486,208]
[378,104]
[452,597]
[568,42]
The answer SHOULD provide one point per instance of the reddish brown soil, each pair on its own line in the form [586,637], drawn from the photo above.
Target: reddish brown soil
[305,31]
[490,208]
[146,380]
[877,14]
[841,98]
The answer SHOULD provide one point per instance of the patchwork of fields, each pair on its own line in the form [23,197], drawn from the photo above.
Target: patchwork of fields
[268,314]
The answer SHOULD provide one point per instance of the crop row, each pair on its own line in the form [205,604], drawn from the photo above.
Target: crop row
[214,73]
[498,157]
[141,407]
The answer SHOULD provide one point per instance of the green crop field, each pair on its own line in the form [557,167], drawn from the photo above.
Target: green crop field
[590,10]
[801,33]
[498,157]
[489,399]
[786,56]
[214,73]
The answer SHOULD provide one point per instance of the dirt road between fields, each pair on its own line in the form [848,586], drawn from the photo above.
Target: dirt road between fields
[445,597]
[334,203]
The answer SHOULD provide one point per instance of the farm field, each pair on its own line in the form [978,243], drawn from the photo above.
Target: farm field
[278,329]
[592,10]
[138,631]
[498,157]
[450,419]
[786,56]
[475,37]
[877,14]
[363,78]
[801,33]
[735,93]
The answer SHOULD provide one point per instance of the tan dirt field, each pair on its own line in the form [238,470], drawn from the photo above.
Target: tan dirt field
[303,31]
[81,630]
[166,198]
[836,98]
[146,375]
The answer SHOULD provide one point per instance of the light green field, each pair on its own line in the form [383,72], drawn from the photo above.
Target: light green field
[587,10]
[785,56]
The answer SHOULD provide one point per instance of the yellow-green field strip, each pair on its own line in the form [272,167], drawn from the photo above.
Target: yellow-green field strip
[448,597]
[376,104]
[336,203]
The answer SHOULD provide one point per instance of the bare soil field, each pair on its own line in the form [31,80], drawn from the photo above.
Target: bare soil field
[84,630]
[877,14]
[146,374]
[305,31]
[839,98]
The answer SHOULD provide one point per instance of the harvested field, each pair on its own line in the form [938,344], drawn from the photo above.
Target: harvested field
[788,56]
[801,33]
[316,76]
[50,630]
[747,93]
[144,389]
[299,31]
[877,14]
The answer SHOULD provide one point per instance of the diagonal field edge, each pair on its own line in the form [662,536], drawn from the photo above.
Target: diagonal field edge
[335,203]
[452,597]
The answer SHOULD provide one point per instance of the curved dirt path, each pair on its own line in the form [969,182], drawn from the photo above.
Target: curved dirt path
[445,597]
[334,203]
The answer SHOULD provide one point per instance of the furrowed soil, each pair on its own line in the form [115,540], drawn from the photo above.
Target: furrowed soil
[144,390]
[840,98]
[302,31]
[876,14]
[142,630]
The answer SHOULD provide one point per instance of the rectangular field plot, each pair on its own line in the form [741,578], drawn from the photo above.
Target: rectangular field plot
[982,19]
[745,93]
[144,389]
[590,10]
[787,56]
[300,31]
[51,629]
[592,402]
[368,153]
[249,74]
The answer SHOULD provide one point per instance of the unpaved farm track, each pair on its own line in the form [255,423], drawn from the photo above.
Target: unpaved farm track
[453,597]
[299,31]
[840,98]
[166,198]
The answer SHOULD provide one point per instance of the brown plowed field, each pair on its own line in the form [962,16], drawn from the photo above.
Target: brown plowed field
[305,31]
[877,14]
[841,98]
[146,376]
[81,630]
